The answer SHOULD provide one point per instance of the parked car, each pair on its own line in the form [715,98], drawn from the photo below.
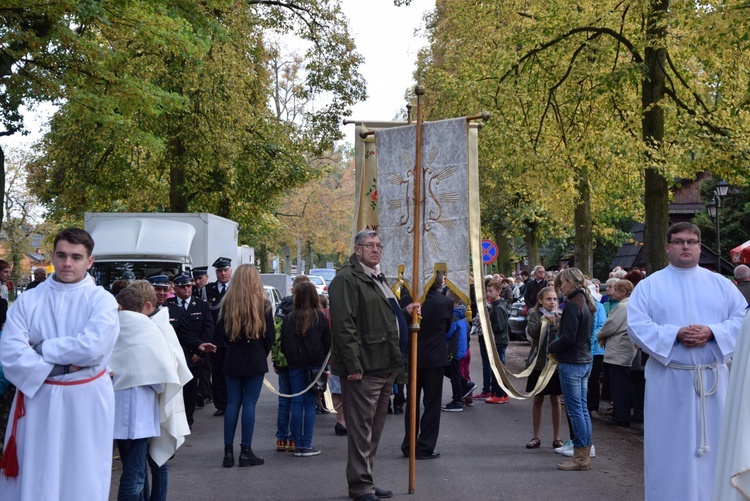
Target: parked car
[326,273]
[517,321]
[273,295]
[319,283]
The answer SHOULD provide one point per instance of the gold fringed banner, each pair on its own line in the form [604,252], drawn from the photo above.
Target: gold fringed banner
[498,368]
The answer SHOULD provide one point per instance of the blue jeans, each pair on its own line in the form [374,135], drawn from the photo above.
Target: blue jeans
[133,457]
[285,406]
[303,409]
[242,391]
[574,380]
[159,481]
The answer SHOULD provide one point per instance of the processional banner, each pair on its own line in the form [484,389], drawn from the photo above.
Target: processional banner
[444,224]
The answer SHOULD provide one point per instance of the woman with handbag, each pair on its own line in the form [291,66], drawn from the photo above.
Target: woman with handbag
[246,325]
[305,342]
[544,318]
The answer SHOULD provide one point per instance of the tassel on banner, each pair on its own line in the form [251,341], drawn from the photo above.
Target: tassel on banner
[9,461]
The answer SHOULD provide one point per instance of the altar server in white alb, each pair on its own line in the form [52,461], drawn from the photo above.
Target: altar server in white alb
[686,318]
[55,347]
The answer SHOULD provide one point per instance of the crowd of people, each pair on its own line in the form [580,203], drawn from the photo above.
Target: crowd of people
[133,364]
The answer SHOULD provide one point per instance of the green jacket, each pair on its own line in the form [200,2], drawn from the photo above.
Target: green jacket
[364,327]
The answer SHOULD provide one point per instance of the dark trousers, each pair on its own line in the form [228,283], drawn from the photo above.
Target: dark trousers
[486,369]
[218,382]
[497,390]
[638,385]
[458,382]
[189,392]
[592,398]
[619,388]
[204,379]
[133,458]
[430,390]
[365,407]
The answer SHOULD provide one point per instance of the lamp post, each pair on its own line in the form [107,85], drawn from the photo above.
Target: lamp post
[714,209]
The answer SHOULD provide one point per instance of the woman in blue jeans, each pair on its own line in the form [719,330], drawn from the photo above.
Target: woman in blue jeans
[246,325]
[572,347]
[305,342]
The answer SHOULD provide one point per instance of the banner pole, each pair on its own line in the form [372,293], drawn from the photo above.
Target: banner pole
[419,90]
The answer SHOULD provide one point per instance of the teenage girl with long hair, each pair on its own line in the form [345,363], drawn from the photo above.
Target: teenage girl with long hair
[246,325]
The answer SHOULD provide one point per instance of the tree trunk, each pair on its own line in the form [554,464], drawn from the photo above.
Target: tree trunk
[178,201]
[263,258]
[2,187]
[656,202]
[532,245]
[584,243]
[504,264]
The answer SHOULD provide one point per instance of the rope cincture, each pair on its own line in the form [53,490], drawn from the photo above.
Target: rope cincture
[699,385]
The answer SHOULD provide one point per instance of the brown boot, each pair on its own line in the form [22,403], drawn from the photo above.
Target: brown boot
[584,460]
[575,464]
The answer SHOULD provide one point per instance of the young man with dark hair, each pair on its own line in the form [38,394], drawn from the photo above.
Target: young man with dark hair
[55,348]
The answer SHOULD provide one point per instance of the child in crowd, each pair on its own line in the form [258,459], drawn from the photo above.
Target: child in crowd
[499,322]
[143,368]
[458,343]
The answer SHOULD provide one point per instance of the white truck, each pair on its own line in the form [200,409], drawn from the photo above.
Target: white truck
[146,243]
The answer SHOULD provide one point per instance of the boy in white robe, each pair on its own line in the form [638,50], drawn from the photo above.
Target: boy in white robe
[142,371]
[686,318]
[55,347]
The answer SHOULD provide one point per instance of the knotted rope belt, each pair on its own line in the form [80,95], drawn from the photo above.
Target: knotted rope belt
[700,389]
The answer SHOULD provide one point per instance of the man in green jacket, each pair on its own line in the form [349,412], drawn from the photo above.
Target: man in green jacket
[368,326]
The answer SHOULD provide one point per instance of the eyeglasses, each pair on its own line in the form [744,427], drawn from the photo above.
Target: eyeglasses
[372,246]
[680,243]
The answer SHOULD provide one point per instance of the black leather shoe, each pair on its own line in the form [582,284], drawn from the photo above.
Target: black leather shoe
[219,412]
[247,458]
[340,430]
[382,493]
[228,456]
[367,497]
[434,455]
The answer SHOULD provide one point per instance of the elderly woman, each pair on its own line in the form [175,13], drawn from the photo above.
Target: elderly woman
[619,353]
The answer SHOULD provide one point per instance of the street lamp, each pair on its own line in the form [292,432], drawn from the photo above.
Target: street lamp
[714,210]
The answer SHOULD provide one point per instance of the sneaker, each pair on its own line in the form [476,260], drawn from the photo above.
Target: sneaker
[483,396]
[312,451]
[566,446]
[468,402]
[494,400]
[470,387]
[291,447]
[281,445]
[506,400]
[570,452]
[453,407]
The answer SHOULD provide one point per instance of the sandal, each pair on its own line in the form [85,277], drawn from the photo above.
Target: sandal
[557,443]
[533,443]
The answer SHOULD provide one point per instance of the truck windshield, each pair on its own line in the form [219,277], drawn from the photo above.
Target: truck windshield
[106,272]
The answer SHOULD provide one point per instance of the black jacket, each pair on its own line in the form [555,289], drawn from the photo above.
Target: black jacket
[573,342]
[499,322]
[437,315]
[310,350]
[214,298]
[532,291]
[248,357]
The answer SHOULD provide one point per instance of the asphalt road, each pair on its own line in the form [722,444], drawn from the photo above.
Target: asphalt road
[483,456]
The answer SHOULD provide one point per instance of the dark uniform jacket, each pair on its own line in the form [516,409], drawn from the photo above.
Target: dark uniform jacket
[364,325]
[199,321]
[214,300]
[189,342]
